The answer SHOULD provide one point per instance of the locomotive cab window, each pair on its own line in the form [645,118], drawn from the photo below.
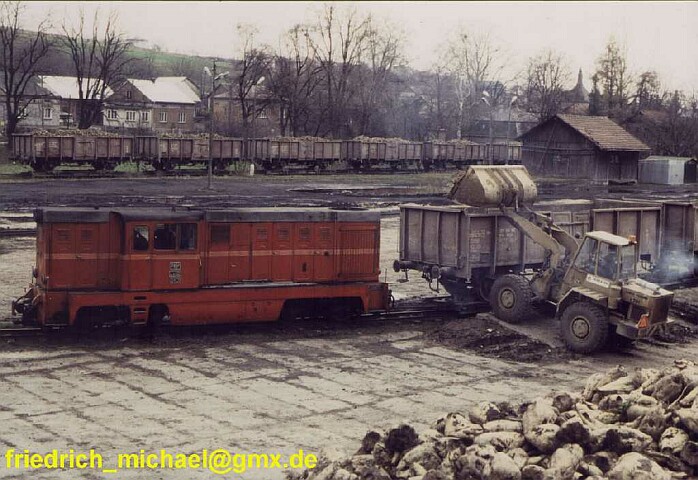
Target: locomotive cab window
[187,236]
[140,239]
[165,236]
[175,236]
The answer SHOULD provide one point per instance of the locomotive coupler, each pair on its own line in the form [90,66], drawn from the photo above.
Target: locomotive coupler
[24,305]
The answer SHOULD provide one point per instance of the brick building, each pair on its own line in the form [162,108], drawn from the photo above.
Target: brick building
[227,114]
[42,108]
[165,104]
[66,90]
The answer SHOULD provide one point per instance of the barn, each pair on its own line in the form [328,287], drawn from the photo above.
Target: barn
[580,146]
[667,170]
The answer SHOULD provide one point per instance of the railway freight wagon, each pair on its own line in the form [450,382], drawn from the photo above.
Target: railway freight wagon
[164,153]
[46,152]
[680,239]
[193,267]
[667,233]
[465,248]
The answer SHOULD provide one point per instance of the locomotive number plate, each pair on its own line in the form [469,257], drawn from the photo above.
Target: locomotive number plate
[175,272]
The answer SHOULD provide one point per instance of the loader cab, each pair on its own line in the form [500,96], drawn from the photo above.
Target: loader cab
[603,260]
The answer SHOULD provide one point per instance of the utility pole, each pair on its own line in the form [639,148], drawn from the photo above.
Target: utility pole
[214,78]
[210,129]
[511,105]
[487,100]
[254,116]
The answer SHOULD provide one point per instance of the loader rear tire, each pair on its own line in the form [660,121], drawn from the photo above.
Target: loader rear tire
[511,298]
[584,327]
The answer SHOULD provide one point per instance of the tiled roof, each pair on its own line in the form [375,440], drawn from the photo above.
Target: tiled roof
[604,133]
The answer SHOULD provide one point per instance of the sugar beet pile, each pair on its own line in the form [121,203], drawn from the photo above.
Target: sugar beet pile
[624,425]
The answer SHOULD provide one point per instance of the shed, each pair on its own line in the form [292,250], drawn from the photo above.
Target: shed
[667,170]
[579,146]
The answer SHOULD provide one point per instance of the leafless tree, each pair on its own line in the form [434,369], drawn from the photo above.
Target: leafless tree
[98,58]
[476,63]
[294,79]
[22,53]
[339,39]
[614,78]
[253,65]
[677,134]
[545,86]
[382,52]
[442,106]
[183,66]
[143,67]
[648,93]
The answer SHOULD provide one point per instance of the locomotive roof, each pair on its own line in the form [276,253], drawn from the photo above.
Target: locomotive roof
[264,214]
[273,214]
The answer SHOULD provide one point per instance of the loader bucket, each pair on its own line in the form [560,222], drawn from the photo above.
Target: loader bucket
[494,186]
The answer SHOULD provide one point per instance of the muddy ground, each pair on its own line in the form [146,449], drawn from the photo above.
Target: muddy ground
[372,190]
[277,387]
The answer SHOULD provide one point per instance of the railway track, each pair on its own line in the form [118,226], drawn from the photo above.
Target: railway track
[17,232]
[16,332]
[412,312]
[87,174]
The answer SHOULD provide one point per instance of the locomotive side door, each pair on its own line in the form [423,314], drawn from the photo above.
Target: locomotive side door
[137,256]
[176,258]
[218,252]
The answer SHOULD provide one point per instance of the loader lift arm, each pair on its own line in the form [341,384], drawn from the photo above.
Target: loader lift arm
[554,240]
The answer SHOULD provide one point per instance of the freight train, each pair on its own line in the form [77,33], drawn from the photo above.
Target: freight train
[182,266]
[44,151]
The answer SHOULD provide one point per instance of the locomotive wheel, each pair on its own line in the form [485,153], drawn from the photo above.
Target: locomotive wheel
[157,317]
[584,327]
[511,298]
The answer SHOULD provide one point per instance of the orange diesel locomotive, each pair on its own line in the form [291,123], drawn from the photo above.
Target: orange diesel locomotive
[193,267]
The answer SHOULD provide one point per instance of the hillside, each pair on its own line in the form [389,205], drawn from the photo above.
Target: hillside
[145,62]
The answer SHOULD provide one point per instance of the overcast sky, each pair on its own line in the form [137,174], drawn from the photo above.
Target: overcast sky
[658,35]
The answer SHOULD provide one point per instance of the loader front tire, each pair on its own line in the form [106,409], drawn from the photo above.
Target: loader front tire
[511,298]
[584,327]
